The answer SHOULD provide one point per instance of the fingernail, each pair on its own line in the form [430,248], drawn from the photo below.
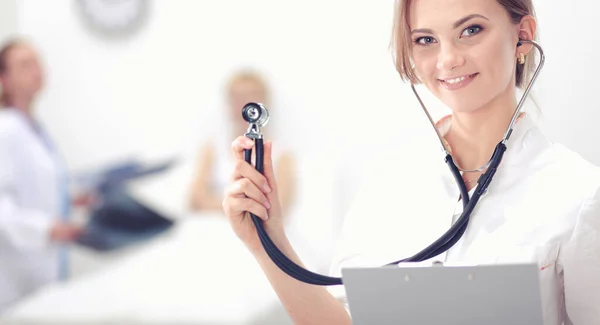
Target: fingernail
[249,142]
[267,205]
[267,188]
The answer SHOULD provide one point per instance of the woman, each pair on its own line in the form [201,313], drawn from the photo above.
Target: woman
[32,189]
[243,87]
[543,205]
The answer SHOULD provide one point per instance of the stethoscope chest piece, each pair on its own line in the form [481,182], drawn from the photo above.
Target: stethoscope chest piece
[257,116]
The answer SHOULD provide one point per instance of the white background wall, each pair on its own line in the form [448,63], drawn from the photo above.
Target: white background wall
[8,20]
[328,61]
[151,92]
[324,57]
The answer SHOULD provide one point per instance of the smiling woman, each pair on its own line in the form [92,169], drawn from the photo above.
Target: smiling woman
[402,40]
[449,59]
[473,55]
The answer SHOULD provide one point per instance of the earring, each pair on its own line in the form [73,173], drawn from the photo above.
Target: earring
[521,58]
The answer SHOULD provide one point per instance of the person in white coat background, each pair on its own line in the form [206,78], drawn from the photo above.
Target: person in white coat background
[34,203]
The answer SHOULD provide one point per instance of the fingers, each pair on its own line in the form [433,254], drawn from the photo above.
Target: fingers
[65,232]
[246,188]
[235,206]
[245,170]
[250,190]
[239,145]
[77,231]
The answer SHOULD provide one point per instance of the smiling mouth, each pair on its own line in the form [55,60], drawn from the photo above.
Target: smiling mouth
[458,82]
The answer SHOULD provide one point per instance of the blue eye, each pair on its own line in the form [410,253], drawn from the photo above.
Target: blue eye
[425,40]
[472,30]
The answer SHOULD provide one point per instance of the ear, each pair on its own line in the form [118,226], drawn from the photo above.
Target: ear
[526,31]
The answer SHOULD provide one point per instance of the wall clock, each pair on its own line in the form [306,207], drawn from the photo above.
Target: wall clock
[114,18]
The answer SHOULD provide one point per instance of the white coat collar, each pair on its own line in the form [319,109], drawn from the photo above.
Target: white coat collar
[524,145]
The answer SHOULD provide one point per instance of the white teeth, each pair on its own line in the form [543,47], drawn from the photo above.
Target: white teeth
[456,80]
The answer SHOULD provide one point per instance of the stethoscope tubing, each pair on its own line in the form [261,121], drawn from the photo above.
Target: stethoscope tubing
[442,244]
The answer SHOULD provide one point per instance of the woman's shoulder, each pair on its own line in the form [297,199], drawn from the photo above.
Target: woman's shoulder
[572,165]
[563,186]
[557,168]
[584,173]
[9,118]
[11,124]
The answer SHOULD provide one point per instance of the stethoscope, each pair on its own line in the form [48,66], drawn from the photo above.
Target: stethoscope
[257,116]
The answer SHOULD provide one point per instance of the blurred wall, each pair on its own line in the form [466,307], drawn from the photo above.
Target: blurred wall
[328,62]
[8,18]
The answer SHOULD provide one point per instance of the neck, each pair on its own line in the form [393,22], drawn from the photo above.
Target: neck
[21,103]
[474,135]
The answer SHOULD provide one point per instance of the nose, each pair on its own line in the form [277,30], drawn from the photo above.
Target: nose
[450,57]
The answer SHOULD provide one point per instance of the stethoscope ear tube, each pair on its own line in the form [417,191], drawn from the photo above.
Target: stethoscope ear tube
[453,235]
[438,247]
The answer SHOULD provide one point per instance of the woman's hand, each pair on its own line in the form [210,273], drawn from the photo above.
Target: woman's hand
[65,232]
[250,191]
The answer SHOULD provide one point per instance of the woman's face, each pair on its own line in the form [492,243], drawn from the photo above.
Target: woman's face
[464,51]
[23,75]
[241,93]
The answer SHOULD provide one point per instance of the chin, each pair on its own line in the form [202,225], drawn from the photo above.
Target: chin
[462,104]
[465,100]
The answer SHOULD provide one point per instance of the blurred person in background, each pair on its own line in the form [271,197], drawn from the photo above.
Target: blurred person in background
[215,161]
[34,200]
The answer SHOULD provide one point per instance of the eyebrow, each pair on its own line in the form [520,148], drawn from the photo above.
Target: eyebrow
[456,24]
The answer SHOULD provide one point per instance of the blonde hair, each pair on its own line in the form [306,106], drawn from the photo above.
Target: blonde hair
[248,75]
[401,42]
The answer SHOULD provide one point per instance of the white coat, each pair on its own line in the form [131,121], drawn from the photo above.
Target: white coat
[543,206]
[30,201]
